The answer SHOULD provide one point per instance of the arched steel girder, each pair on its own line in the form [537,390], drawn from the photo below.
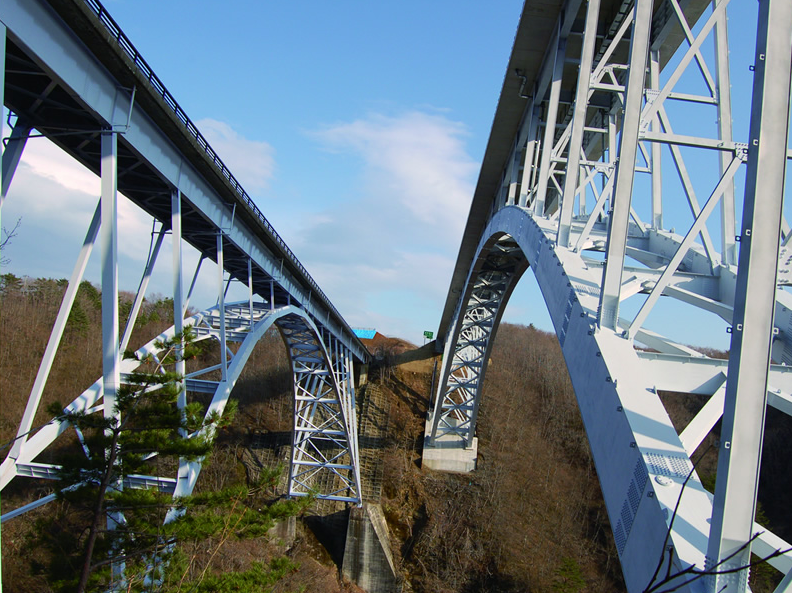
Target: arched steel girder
[497,269]
[324,457]
[642,461]
[323,375]
[598,134]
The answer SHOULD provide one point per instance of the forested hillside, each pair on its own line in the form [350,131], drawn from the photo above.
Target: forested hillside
[530,518]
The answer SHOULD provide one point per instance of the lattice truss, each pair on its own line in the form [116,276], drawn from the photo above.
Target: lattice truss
[463,370]
[619,189]
[146,150]
[244,326]
[324,453]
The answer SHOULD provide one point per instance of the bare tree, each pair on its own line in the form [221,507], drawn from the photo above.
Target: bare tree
[5,240]
[673,581]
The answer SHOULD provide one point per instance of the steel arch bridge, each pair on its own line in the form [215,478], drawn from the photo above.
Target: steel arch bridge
[589,162]
[71,75]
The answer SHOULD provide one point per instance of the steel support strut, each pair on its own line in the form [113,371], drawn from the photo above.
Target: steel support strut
[578,123]
[625,169]
[755,297]
[178,289]
[324,452]
[454,414]
[649,71]
[111,356]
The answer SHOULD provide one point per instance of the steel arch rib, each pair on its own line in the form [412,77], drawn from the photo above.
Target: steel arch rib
[641,461]
[206,326]
[324,457]
[490,282]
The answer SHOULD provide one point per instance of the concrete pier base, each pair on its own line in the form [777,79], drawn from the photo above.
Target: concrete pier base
[448,453]
[284,531]
[367,556]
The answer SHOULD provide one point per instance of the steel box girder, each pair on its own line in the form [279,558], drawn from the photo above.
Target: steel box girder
[152,159]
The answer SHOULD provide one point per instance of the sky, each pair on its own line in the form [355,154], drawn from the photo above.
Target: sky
[357,127]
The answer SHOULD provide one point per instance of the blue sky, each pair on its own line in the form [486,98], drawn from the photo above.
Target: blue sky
[357,127]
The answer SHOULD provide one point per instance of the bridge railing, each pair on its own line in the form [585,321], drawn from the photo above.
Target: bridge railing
[129,49]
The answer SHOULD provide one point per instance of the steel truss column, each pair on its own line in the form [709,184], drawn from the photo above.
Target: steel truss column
[723,93]
[221,307]
[192,284]
[178,289]
[746,388]
[142,288]
[467,349]
[111,356]
[625,167]
[109,255]
[550,126]
[12,153]
[529,168]
[578,123]
[250,288]
[656,158]
[324,452]
[343,369]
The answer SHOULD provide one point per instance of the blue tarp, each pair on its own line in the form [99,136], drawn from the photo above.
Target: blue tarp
[365,333]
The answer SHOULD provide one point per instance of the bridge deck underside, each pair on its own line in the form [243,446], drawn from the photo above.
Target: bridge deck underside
[622,195]
[49,108]
[527,77]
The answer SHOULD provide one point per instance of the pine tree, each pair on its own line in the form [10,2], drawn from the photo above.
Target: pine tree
[146,432]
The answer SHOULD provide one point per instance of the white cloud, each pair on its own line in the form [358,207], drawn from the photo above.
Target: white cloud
[416,159]
[46,160]
[59,197]
[385,257]
[252,162]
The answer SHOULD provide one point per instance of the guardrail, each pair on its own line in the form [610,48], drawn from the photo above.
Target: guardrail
[129,49]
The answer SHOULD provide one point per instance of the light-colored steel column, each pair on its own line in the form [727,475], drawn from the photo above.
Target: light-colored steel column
[192,284]
[250,290]
[178,292]
[746,388]
[723,89]
[578,123]
[530,148]
[656,150]
[550,126]
[608,316]
[108,238]
[221,307]
[109,254]
[12,154]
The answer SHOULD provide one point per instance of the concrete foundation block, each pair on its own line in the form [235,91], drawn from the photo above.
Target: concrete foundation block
[448,454]
[284,531]
[368,561]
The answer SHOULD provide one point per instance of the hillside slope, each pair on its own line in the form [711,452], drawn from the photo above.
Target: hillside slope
[530,518]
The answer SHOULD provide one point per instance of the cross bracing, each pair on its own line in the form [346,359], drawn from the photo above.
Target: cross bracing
[311,427]
[601,172]
[72,76]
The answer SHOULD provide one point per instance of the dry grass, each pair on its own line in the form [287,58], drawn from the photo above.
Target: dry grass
[532,506]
